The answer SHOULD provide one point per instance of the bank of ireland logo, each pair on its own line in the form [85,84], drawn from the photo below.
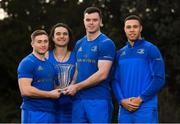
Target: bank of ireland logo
[94,49]
[140,51]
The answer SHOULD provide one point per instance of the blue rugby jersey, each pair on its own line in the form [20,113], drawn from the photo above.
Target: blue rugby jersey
[87,54]
[139,72]
[43,75]
[70,66]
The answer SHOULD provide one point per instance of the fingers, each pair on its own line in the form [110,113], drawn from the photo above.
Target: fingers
[130,104]
[69,91]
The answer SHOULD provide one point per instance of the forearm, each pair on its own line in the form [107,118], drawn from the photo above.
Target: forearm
[74,77]
[35,93]
[93,80]
[156,84]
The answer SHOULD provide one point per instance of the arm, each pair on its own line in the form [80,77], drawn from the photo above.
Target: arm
[116,87]
[106,53]
[104,67]
[116,81]
[27,90]
[74,77]
[158,74]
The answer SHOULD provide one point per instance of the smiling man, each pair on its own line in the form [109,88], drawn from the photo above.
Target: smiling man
[95,54]
[36,78]
[139,75]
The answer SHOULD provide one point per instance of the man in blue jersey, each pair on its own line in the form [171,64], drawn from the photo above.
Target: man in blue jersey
[36,78]
[95,54]
[139,75]
[64,61]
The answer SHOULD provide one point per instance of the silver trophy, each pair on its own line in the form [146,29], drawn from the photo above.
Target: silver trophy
[64,78]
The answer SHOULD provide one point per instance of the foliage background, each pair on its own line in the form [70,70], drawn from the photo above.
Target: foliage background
[161,26]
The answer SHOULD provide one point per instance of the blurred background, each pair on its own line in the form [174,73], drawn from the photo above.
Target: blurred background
[18,18]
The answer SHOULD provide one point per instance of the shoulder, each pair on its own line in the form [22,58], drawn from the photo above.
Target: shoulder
[104,38]
[105,41]
[81,40]
[28,59]
[27,63]
[150,46]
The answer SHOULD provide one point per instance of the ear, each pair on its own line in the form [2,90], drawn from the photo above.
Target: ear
[32,43]
[141,28]
[101,24]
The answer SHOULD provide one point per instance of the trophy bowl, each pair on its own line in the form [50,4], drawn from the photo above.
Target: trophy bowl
[64,71]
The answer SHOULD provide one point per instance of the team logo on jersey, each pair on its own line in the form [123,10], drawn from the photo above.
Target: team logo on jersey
[140,51]
[40,68]
[94,49]
[80,49]
[123,53]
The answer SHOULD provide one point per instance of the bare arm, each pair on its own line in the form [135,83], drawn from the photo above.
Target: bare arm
[74,77]
[27,90]
[104,67]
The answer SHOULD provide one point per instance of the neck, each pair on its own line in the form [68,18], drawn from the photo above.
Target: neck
[39,56]
[61,53]
[92,36]
[133,41]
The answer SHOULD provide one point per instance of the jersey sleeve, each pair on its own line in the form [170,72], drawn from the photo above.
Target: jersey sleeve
[25,69]
[107,50]
[157,73]
[116,81]
[77,45]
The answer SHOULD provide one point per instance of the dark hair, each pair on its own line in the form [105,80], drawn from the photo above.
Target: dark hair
[133,17]
[37,33]
[70,45]
[93,9]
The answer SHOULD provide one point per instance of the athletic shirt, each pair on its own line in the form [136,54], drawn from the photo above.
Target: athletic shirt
[139,72]
[42,74]
[69,67]
[87,54]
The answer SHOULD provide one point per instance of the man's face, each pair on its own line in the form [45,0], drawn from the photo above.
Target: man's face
[61,37]
[40,44]
[132,29]
[92,22]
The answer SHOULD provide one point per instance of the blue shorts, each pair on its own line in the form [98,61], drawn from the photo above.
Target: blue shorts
[64,113]
[37,117]
[142,115]
[92,111]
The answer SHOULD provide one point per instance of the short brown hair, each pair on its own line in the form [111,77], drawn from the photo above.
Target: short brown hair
[93,9]
[38,32]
